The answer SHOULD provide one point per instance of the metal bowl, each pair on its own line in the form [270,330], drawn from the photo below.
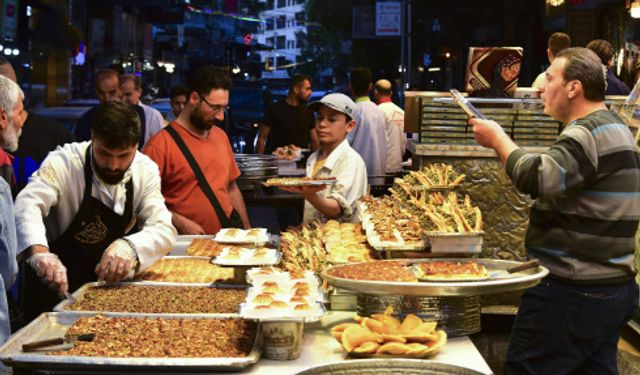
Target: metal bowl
[259,172]
[388,367]
[254,161]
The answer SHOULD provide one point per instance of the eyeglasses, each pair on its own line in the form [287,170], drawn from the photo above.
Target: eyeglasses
[214,107]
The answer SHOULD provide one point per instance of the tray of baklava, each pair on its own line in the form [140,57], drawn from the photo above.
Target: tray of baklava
[185,270]
[124,344]
[135,298]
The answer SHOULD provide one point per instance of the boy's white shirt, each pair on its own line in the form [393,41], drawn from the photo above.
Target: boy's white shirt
[347,166]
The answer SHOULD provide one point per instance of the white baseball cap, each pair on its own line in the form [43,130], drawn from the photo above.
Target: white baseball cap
[336,101]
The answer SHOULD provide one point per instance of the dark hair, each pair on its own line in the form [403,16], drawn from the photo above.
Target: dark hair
[603,49]
[297,80]
[177,91]
[106,73]
[557,42]
[117,125]
[137,84]
[207,78]
[584,65]
[360,81]
[4,60]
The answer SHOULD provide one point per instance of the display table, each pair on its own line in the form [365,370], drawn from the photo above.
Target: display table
[319,348]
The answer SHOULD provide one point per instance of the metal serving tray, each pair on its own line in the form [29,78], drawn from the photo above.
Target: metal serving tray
[467,243]
[52,325]
[516,281]
[388,366]
[80,292]
[382,246]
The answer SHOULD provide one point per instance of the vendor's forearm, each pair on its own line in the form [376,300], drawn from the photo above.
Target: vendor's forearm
[35,249]
[504,146]
[329,207]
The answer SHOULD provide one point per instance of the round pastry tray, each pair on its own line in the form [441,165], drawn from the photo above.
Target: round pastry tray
[388,366]
[498,282]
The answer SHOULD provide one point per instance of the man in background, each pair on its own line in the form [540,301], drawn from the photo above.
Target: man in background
[556,43]
[605,52]
[131,92]
[177,101]
[394,124]
[369,137]
[107,90]
[289,121]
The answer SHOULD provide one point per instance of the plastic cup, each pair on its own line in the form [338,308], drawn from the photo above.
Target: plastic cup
[282,340]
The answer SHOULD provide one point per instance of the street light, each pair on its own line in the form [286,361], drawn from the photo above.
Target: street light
[15,52]
[635,9]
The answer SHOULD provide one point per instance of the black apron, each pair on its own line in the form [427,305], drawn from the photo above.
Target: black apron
[79,248]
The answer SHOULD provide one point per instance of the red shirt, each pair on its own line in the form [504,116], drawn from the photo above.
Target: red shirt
[179,184]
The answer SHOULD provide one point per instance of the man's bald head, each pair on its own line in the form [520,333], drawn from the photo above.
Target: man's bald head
[6,69]
[383,88]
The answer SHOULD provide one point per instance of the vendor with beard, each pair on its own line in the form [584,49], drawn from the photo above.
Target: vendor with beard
[77,216]
[196,162]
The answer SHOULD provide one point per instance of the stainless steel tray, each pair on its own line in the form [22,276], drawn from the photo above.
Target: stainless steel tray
[80,292]
[516,281]
[51,325]
[387,367]
[381,246]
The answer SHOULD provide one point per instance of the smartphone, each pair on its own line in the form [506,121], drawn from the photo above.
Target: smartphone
[467,107]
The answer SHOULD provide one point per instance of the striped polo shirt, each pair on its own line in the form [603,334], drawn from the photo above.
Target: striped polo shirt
[587,200]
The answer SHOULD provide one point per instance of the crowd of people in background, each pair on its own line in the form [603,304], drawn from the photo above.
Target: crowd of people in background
[121,187]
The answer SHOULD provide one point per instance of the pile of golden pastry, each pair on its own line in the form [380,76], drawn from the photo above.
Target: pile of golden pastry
[186,270]
[387,221]
[445,214]
[434,176]
[316,245]
[384,334]
[437,211]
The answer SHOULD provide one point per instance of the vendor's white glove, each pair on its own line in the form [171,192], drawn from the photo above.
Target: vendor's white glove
[117,262]
[50,269]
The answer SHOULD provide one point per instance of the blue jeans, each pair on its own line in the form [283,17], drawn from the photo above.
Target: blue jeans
[569,329]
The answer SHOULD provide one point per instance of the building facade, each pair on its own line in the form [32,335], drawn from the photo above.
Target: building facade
[282,21]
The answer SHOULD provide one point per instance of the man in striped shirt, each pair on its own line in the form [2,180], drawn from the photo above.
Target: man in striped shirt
[582,226]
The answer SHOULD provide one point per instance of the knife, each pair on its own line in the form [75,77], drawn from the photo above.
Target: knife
[509,271]
[35,345]
[71,298]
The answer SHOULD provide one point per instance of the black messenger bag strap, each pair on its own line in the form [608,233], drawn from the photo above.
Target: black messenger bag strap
[204,185]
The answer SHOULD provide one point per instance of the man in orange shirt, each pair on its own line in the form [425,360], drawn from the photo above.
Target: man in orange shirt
[196,162]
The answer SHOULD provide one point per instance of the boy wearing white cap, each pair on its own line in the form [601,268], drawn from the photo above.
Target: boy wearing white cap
[335,158]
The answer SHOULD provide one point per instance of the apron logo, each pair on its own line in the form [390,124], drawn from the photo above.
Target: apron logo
[92,233]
